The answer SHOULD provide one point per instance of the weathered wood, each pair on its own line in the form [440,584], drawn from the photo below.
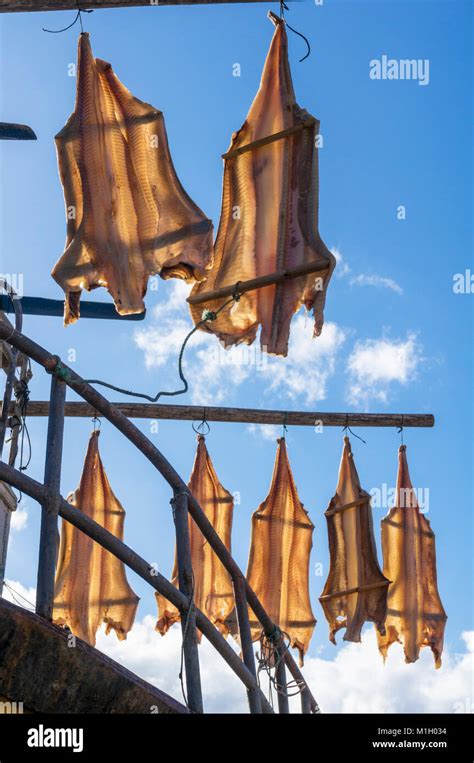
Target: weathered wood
[135,562]
[315,266]
[305,702]
[17,6]
[50,506]
[188,618]
[242,415]
[52,364]
[269,139]
[55,307]
[246,644]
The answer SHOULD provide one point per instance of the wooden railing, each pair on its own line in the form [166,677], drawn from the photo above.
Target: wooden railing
[47,494]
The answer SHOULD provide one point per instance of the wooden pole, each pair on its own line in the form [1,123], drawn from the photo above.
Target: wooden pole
[246,645]
[242,415]
[241,287]
[55,308]
[280,675]
[305,702]
[50,505]
[17,6]
[142,568]
[179,503]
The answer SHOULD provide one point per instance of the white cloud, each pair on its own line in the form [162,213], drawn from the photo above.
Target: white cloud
[19,518]
[340,684]
[375,365]
[214,373]
[378,281]
[266,431]
[343,270]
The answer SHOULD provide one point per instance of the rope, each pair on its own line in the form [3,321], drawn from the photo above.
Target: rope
[78,18]
[346,428]
[63,373]
[274,647]
[17,593]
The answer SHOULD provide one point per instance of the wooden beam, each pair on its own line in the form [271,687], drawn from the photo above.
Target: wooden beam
[19,6]
[11,131]
[38,408]
[315,266]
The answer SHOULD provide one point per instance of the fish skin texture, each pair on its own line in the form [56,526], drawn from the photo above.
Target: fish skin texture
[132,217]
[275,186]
[415,616]
[213,592]
[353,558]
[278,566]
[91,585]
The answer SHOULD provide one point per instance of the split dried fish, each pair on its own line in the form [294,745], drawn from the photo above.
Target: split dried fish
[415,616]
[91,586]
[356,590]
[269,217]
[128,216]
[278,568]
[213,592]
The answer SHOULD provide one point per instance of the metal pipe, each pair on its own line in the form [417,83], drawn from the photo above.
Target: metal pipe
[132,433]
[242,415]
[179,503]
[50,505]
[142,568]
[246,644]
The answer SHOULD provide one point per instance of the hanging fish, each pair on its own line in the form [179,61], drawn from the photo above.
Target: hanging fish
[356,590]
[269,217]
[278,567]
[128,216]
[213,593]
[91,586]
[415,617]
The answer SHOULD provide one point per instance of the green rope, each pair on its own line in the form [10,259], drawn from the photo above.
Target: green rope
[64,373]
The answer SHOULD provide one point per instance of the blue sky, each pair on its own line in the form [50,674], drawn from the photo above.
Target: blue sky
[396,339]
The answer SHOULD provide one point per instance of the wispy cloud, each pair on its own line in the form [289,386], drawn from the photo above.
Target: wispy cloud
[344,270]
[378,281]
[215,373]
[376,366]
[265,431]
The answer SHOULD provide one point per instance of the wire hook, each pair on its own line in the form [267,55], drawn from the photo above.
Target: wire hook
[400,430]
[283,8]
[96,421]
[200,428]
[78,18]
[346,428]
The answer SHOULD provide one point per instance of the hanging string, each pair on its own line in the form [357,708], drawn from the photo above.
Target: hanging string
[283,8]
[77,19]
[346,428]
[400,430]
[15,593]
[208,315]
[273,651]
[284,428]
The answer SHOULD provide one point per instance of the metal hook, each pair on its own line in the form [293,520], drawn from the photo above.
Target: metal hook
[96,421]
[346,428]
[284,428]
[400,430]
[78,18]
[200,428]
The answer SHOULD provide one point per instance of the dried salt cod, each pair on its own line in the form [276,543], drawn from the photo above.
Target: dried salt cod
[415,615]
[269,217]
[278,567]
[128,216]
[356,590]
[91,585]
[213,592]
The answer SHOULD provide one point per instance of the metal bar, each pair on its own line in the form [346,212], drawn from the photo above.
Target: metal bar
[280,675]
[17,6]
[135,436]
[50,506]
[242,415]
[246,645]
[11,131]
[142,568]
[188,618]
[315,266]
[55,307]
